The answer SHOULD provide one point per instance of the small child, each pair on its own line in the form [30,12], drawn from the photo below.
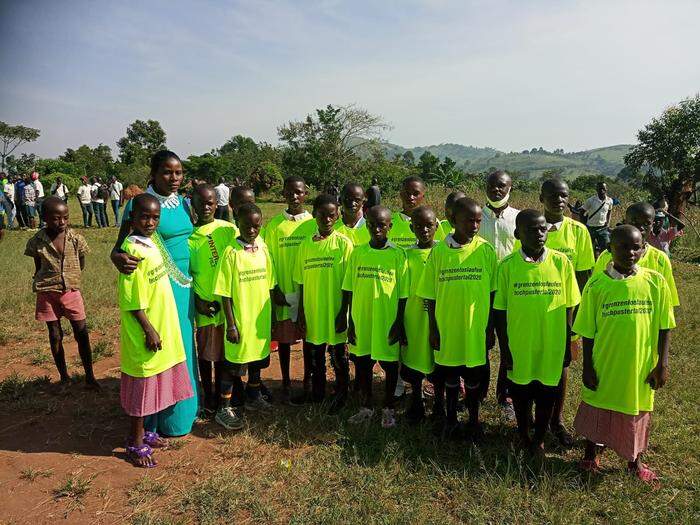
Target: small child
[283,235]
[446,226]
[625,318]
[458,282]
[376,287]
[661,237]
[534,302]
[323,315]
[207,242]
[154,370]
[412,195]
[245,279]
[352,223]
[641,216]
[416,355]
[59,259]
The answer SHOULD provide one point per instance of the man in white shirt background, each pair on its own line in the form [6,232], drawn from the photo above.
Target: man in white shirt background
[222,198]
[498,228]
[98,203]
[9,188]
[39,189]
[85,200]
[116,190]
[60,190]
[598,209]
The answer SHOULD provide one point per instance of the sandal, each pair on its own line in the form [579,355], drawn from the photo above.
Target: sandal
[589,465]
[153,440]
[644,473]
[142,452]
[563,435]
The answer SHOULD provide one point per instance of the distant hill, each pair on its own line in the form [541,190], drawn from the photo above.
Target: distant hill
[607,161]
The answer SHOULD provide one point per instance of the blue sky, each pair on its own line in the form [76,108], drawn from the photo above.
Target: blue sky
[510,75]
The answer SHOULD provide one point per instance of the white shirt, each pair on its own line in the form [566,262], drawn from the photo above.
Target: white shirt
[614,274]
[85,194]
[39,188]
[600,216]
[96,188]
[115,190]
[499,231]
[298,217]
[529,259]
[222,194]
[9,190]
[59,190]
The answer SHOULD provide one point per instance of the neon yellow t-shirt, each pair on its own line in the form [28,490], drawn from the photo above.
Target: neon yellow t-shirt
[461,280]
[535,297]
[417,355]
[207,243]
[377,280]
[654,259]
[283,237]
[445,228]
[401,234]
[247,277]
[358,235]
[623,317]
[148,288]
[320,269]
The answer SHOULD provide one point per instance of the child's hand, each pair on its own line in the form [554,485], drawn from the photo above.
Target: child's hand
[153,340]
[232,335]
[507,359]
[341,322]
[278,297]
[124,262]
[658,376]
[590,378]
[490,338]
[434,339]
[207,308]
[301,321]
[395,332]
[351,334]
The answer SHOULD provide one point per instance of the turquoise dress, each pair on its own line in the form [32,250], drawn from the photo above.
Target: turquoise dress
[175,228]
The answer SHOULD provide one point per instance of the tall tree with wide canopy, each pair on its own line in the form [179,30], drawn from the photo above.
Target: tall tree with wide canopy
[12,137]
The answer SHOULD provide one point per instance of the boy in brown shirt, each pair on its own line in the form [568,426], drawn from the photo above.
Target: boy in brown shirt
[59,259]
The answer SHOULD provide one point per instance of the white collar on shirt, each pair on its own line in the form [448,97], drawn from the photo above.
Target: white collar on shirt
[298,217]
[171,201]
[143,240]
[529,259]
[554,226]
[247,245]
[359,224]
[450,241]
[614,274]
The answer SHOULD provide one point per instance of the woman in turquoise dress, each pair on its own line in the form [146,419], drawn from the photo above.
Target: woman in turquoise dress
[173,231]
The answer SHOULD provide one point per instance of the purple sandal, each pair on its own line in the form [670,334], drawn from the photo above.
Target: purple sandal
[144,451]
[152,439]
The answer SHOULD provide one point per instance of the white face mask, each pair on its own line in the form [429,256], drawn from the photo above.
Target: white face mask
[501,203]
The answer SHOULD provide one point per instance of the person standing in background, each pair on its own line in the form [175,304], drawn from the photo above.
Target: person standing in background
[30,202]
[22,218]
[98,203]
[85,200]
[661,237]
[60,190]
[222,196]
[9,189]
[39,190]
[598,209]
[373,194]
[116,191]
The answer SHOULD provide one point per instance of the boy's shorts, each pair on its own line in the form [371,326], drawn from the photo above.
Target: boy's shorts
[471,375]
[241,369]
[51,306]
[534,390]
[286,332]
[210,343]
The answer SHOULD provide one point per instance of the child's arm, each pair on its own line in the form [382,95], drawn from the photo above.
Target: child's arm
[341,320]
[397,332]
[152,337]
[232,334]
[208,308]
[501,325]
[81,260]
[301,315]
[434,332]
[351,323]
[582,277]
[278,296]
[124,262]
[569,324]
[590,378]
[659,375]
[490,332]
[37,265]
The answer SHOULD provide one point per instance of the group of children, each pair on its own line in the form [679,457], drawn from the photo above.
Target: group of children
[424,299]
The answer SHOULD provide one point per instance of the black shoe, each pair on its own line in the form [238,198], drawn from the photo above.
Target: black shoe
[265,393]
[299,400]
[337,404]
[474,433]
[451,431]
[563,436]
[415,415]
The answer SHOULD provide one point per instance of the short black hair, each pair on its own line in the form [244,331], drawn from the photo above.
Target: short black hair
[453,196]
[465,204]
[526,216]
[51,203]
[497,173]
[239,191]
[348,185]
[412,178]
[622,231]
[639,208]
[161,157]
[199,188]
[293,179]
[249,209]
[323,199]
[552,184]
[420,210]
[142,199]
[379,209]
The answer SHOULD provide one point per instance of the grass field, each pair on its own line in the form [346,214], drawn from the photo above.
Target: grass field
[62,458]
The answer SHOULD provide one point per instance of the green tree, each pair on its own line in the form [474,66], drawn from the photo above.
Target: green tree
[90,162]
[428,166]
[142,139]
[12,137]
[22,165]
[409,158]
[669,152]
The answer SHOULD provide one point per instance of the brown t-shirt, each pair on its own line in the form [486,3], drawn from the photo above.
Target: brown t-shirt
[57,273]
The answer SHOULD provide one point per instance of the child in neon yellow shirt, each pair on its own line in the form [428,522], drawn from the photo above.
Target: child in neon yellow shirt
[207,242]
[458,282]
[416,355]
[352,223]
[283,235]
[376,287]
[446,225]
[245,280]
[641,216]
[154,371]
[319,271]
[625,318]
[412,194]
[534,301]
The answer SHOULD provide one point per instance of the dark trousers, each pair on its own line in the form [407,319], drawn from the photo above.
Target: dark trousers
[100,214]
[315,368]
[115,210]
[222,212]
[87,214]
[543,397]
[363,374]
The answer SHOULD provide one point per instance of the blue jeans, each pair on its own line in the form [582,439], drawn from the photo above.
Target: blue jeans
[87,214]
[100,214]
[115,209]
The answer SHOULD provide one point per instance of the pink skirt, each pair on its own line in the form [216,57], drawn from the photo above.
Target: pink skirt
[210,343]
[627,435]
[143,396]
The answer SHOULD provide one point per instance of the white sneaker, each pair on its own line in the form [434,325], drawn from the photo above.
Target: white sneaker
[363,415]
[388,418]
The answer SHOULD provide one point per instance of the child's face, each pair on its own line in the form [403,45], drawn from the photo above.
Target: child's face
[325,216]
[249,226]
[532,234]
[627,250]
[204,204]
[241,199]
[379,226]
[412,195]
[352,200]
[467,222]
[555,199]
[424,227]
[56,218]
[145,218]
[642,221]
[295,194]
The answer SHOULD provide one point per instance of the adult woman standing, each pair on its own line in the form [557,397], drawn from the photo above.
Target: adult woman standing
[174,229]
